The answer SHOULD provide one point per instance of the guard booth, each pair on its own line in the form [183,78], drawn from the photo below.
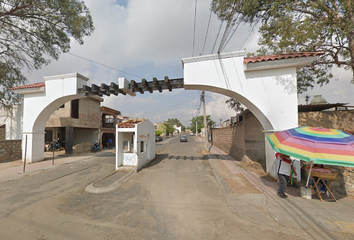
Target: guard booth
[135,144]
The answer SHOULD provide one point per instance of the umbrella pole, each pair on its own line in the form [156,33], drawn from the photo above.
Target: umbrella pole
[308,177]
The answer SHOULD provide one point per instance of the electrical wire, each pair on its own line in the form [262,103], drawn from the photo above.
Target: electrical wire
[206,34]
[195,25]
[227,29]
[247,37]
[217,36]
[224,36]
[239,22]
[103,65]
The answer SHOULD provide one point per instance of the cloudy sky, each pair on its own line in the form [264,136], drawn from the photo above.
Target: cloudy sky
[139,39]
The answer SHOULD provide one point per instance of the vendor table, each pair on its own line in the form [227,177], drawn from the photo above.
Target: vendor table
[321,177]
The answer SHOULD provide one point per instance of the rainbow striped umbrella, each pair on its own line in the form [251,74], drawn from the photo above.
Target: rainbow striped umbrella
[316,144]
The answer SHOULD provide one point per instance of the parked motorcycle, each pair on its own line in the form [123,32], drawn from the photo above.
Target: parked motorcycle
[95,147]
[49,146]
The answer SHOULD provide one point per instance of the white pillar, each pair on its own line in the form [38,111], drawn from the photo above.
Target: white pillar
[35,146]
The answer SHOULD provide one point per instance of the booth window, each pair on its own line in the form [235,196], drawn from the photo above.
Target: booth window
[142,143]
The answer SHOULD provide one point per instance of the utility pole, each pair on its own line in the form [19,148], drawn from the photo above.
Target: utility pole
[196,121]
[205,121]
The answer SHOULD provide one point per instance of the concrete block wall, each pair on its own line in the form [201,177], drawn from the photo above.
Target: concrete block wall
[10,150]
[243,139]
[254,139]
[230,140]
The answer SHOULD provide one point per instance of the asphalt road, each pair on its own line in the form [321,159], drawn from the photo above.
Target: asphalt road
[177,196]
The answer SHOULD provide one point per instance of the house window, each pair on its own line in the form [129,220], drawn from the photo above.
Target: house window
[109,119]
[75,108]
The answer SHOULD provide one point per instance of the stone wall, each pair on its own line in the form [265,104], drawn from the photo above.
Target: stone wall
[342,120]
[2,132]
[243,141]
[10,150]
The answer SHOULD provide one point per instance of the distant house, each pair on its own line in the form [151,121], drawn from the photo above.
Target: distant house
[11,122]
[79,118]
[11,133]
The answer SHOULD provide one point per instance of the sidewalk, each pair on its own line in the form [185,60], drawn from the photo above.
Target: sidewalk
[14,170]
[319,220]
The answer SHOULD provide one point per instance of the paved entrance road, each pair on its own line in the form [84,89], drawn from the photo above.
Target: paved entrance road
[181,195]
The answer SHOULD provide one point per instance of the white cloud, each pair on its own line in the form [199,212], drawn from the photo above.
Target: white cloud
[217,107]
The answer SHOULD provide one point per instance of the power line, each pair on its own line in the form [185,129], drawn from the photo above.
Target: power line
[227,32]
[104,65]
[206,34]
[231,35]
[247,37]
[195,24]
[217,36]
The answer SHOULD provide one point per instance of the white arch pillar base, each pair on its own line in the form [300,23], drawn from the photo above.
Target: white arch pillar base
[35,146]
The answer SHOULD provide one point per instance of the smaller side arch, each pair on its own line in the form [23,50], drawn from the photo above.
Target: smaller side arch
[39,103]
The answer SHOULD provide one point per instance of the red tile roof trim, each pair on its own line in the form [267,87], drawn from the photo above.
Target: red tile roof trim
[129,124]
[33,85]
[258,59]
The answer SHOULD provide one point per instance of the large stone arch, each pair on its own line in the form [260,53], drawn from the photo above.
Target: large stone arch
[40,101]
[266,86]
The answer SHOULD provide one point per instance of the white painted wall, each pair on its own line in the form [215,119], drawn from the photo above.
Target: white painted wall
[12,119]
[144,133]
[267,89]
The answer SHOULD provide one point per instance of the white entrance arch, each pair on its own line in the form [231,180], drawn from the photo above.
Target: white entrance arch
[266,85]
[40,101]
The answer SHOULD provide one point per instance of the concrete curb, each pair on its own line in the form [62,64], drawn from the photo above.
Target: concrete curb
[91,189]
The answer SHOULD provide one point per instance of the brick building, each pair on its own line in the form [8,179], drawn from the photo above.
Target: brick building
[109,119]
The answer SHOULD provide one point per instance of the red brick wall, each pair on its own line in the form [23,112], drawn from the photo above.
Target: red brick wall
[242,138]
[254,139]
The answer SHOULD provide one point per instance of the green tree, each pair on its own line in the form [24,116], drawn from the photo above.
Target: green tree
[169,128]
[162,127]
[32,33]
[235,105]
[299,26]
[200,123]
[175,121]
[158,133]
